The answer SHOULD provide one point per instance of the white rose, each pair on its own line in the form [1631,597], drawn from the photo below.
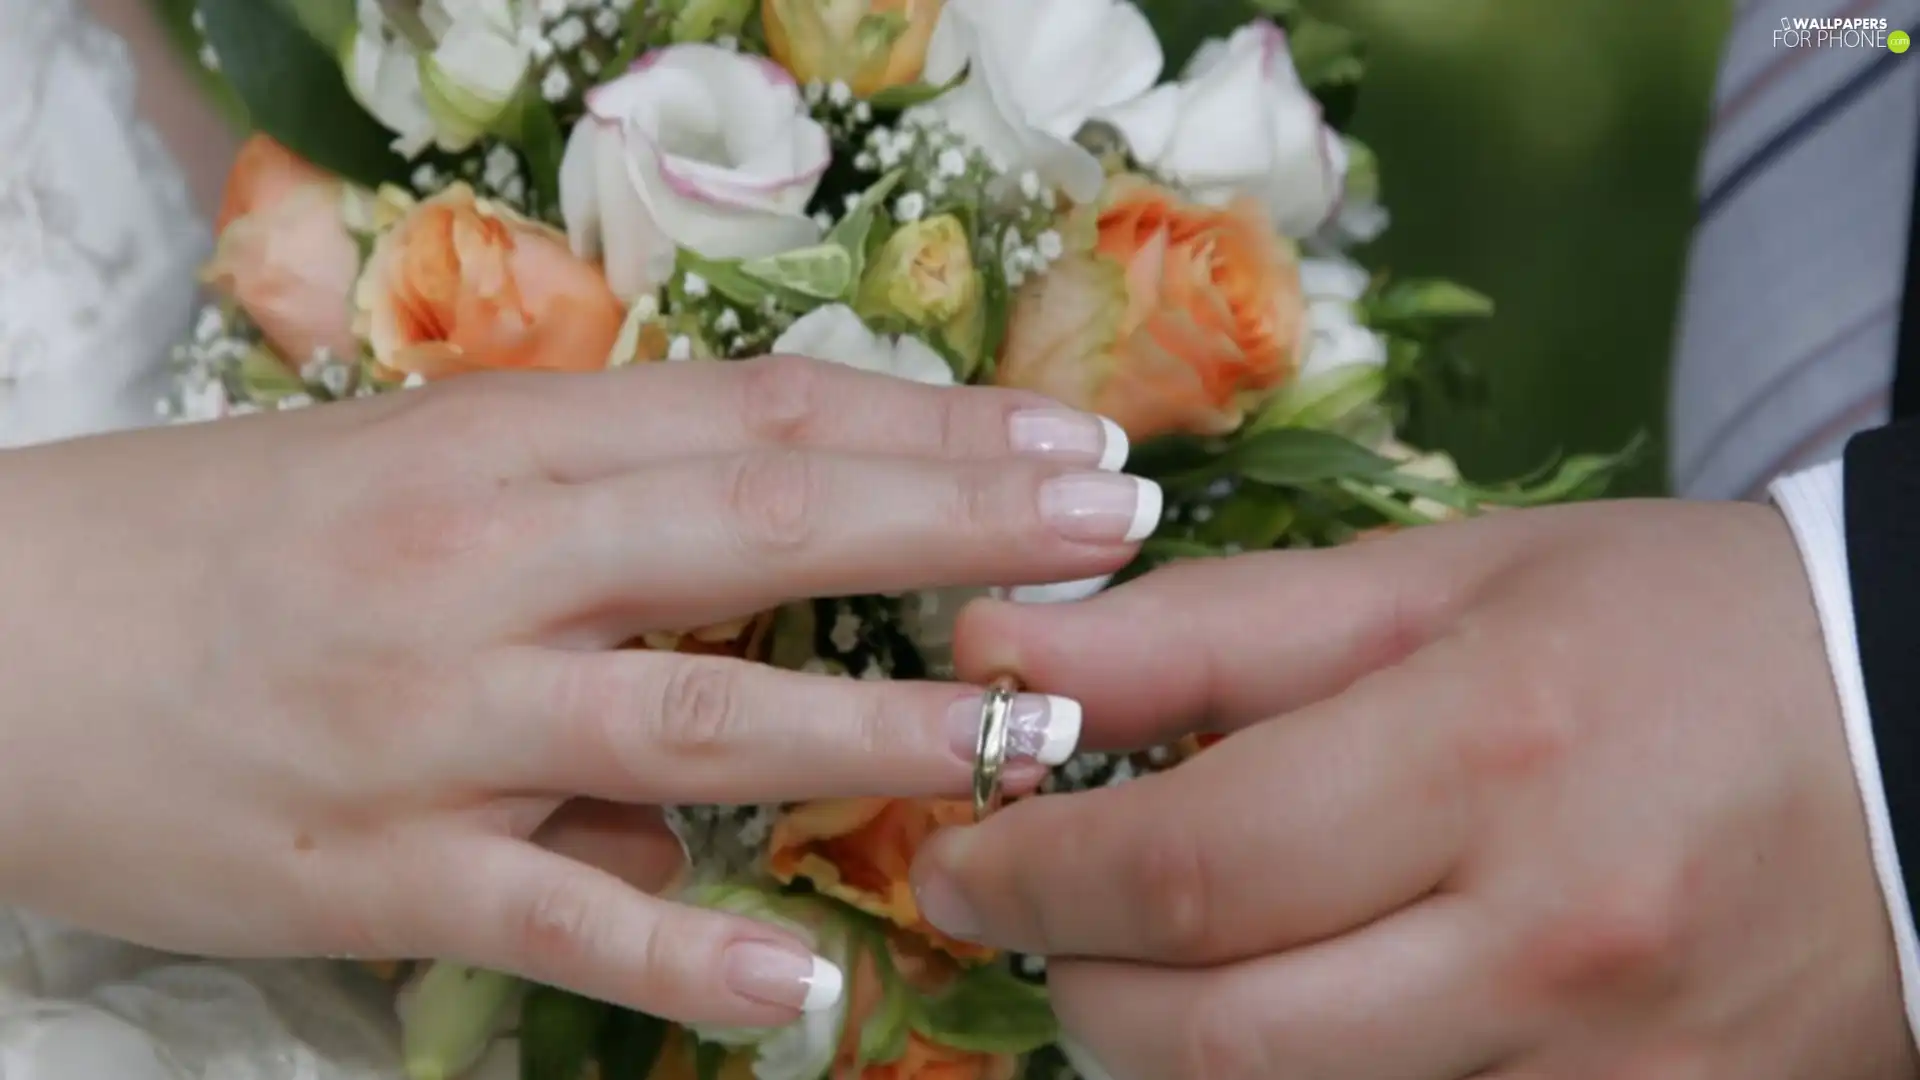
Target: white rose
[696,147]
[444,77]
[836,333]
[1239,121]
[1335,337]
[1037,71]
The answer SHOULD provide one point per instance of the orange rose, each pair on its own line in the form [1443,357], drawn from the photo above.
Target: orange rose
[1181,319]
[463,285]
[284,253]
[860,851]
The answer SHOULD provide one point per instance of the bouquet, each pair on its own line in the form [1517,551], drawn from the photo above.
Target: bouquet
[1029,193]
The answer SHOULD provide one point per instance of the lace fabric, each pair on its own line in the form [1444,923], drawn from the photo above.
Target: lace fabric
[99,245]
[99,240]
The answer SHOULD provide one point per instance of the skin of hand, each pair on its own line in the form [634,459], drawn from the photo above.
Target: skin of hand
[1548,794]
[342,681]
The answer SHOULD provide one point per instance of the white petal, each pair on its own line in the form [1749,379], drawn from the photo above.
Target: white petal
[915,359]
[1224,135]
[639,253]
[1338,279]
[837,334]
[580,189]
[1148,122]
[481,62]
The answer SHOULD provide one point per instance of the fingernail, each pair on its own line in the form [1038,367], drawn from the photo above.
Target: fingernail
[1060,592]
[1040,727]
[783,976]
[1101,508]
[1069,435]
[941,904]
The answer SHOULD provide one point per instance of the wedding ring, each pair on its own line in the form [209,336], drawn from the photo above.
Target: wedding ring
[990,748]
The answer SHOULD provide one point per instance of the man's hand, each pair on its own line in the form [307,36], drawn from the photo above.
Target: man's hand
[1550,794]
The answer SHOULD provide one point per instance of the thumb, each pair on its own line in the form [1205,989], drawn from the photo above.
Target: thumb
[1218,644]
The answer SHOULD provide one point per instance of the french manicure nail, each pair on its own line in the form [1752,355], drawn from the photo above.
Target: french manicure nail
[1060,592]
[1101,508]
[1040,727]
[783,976]
[1069,435]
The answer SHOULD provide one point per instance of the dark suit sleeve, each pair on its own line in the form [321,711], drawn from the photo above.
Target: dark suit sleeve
[1882,484]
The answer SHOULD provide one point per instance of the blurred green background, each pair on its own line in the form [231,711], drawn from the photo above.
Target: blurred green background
[1543,151]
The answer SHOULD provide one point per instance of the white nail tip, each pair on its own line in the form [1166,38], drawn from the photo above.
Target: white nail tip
[1060,592]
[825,984]
[1146,511]
[1062,732]
[1114,451]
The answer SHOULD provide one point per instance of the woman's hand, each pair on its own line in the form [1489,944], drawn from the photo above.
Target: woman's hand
[318,683]
[1554,794]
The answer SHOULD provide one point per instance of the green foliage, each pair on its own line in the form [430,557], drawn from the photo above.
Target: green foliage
[291,88]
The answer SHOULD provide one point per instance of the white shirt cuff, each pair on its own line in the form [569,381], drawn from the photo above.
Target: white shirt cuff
[1814,503]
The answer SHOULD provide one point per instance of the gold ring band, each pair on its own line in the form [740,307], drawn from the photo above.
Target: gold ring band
[990,747]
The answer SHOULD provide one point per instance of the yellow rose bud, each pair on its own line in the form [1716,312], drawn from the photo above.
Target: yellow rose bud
[871,45]
[924,274]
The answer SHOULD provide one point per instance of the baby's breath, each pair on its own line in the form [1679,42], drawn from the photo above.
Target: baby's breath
[572,42]
[1014,214]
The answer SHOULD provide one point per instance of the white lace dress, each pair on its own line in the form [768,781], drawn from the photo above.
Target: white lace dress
[99,244]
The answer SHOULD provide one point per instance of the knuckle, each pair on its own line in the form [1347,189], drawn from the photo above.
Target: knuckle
[699,711]
[1623,939]
[592,695]
[771,499]
[779,397]
[1170,878]
[1532,734]
[559,927]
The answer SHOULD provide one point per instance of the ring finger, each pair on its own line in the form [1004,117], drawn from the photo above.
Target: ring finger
[644,726]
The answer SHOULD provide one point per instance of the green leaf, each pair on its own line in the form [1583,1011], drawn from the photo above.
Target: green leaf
[725,277]
[530,124]
[330,22]
[630,1042]
[266,377]
[450,1019]
[822,273]
[989,1011]
[1326,54]
[293,90]
[559,1033]
[899,98]
[1255,518]
[1581,477]
[1170,456]
[1290,458]
[1418,307]
[883,1037]
[1391,509]
[1171,549]
[854,231]
[1322,400]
